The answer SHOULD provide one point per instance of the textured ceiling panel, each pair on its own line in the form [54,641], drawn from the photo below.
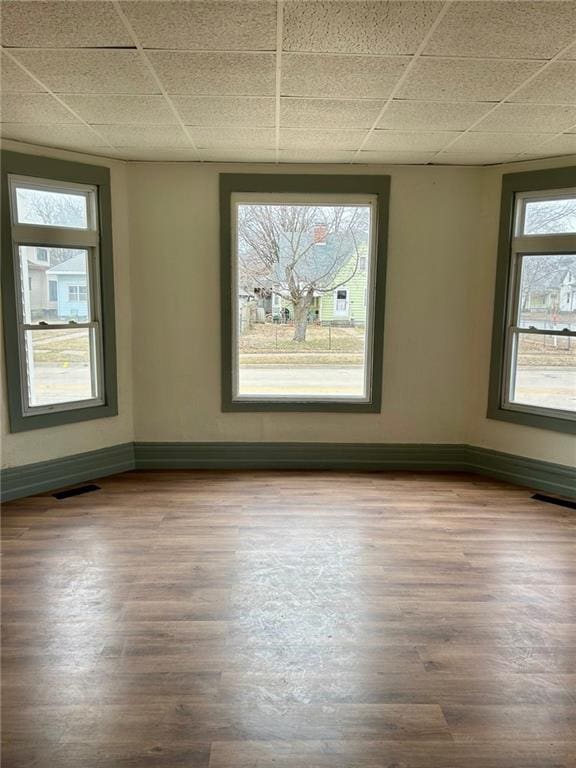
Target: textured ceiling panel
[226,110]
[474,158]
[394,158]
[360,26]
[401,141]
[216,74]
[144,135]
[537,30]
[238,155]
[61,24]
[89,71]
[64,136]
[328,113]
[224,25]
[34,108]
[315,156]
[560,145]
[118,109]
[432,116]
[15,80]
[459,80]
[346,77]
[556,85]
[498,142]
[249,138]
[354,81]
[291,138]
[533,118]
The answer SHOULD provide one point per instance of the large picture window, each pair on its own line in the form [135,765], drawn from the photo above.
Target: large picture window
[535,362]
[303,272]
[57,297]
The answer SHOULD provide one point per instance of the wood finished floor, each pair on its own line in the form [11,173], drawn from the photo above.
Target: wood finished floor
[289,620]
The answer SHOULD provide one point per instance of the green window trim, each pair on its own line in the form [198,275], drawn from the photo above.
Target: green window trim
[65,171]
[230,184]
[512,184]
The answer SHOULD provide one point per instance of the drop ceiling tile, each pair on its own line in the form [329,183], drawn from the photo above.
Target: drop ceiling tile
[144,135]
[34,108]
[241,138]
[395,158]
[291,138]
[121,108]
[226,110]
[63,136]
[315,156]
[328,113]
[432,116]
[536,30]
[216,74]
[156,154]
[497,142]
[89,71]
[13,79]
[474,158]
[555,85]
[347,77]
[360,26]
[528,118]
[570,53]
[565,144]
[465,80]
[57,24]
[204,24]
[402,141]
[238,155]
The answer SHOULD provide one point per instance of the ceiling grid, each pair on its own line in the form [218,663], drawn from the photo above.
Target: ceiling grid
[350,81]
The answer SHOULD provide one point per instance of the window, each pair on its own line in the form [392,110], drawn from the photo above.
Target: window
[297,334]
[77,293]
[533,376]
[57,291]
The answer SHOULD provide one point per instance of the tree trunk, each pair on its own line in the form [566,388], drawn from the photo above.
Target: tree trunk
[301,317]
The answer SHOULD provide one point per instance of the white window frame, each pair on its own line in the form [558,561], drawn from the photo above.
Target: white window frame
[531,245]
[51,236]
[328,199]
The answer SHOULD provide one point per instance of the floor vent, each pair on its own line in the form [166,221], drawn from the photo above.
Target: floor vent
[553,500]
[76,491]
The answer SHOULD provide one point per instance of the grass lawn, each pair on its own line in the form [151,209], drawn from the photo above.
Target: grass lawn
[265,338]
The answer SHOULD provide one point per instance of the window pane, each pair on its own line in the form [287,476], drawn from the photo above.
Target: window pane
[545,217]
[547,299]
[301,314]
[545,372]
[55,209]
[54,290]
[59,366]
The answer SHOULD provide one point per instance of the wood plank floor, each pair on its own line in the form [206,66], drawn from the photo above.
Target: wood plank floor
[289,620]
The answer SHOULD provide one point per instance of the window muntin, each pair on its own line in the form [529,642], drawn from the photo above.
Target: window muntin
[61,364]
[540,348]
[288,351]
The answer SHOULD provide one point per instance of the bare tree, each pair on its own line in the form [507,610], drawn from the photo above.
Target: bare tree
[300,251]
[53,209]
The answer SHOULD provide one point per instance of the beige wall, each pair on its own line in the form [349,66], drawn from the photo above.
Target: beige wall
[42,444]
[175,292]
[442,259]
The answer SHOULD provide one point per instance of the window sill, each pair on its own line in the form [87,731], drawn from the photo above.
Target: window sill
[551,423]
[19,423]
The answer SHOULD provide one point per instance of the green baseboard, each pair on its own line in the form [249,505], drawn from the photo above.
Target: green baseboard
[18,482]
[27,480]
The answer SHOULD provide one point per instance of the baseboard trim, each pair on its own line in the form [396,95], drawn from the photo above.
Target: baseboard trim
[520,470]
[27,480]
[359,456]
